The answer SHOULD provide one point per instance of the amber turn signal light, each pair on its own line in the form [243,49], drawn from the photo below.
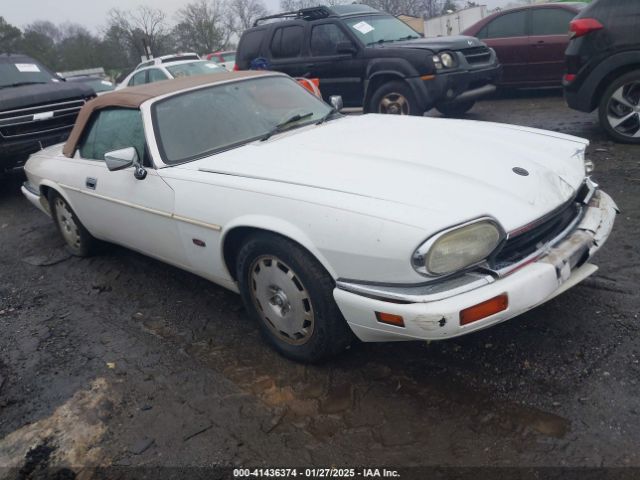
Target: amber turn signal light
[484,309]
[390,319]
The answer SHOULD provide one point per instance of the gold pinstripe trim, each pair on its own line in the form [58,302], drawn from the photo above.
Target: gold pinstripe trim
[173,216]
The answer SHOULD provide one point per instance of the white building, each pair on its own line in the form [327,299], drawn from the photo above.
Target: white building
[455,22]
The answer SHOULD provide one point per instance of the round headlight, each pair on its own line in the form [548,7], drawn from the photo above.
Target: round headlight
[436,61]
[447,60]
[457,249]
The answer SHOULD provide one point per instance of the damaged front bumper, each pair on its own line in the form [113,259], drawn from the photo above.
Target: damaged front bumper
[432,312]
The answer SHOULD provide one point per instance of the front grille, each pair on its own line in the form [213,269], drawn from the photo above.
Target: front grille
[532,237]
[33,121]
[477,55]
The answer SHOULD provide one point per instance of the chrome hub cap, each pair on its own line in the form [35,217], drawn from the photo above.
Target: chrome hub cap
[394,104]
[623,111]
[282,300]
[68,227]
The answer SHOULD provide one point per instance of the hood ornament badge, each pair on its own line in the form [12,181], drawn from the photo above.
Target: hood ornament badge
[520,171]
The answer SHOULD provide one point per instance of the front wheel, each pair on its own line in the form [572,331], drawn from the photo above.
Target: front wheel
[395,98]
[79,241]
[455,109]
[619,109]
[290,295]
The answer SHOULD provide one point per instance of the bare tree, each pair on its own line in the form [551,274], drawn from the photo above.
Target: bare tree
[247,12]
[293,5]
[141,24]
[204,26]
[10,36]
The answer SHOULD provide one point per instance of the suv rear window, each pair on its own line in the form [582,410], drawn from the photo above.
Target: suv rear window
[287,42]
[249,47]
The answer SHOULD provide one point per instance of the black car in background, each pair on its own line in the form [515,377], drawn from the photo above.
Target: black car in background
[372,59]
[37,108]
[603,66]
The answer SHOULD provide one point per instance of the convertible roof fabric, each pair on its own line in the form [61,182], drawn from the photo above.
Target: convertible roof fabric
[133,97]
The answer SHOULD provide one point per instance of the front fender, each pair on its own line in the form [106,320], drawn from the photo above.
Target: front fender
[277,226]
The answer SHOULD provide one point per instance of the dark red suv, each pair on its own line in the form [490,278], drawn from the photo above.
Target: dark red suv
[529,41]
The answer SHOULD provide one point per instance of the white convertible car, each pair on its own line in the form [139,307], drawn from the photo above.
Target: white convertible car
[383,227]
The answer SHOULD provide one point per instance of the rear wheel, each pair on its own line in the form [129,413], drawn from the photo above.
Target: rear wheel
[394,98]
[619,109]
[455,109]
[79,241]
[290,295]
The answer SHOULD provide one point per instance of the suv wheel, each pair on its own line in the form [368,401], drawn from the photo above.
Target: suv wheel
[455,109]
[290,295]
[394,98]
[619,109]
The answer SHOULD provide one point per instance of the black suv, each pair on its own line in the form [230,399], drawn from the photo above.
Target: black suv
[372,59]
[37,108]
[603,66]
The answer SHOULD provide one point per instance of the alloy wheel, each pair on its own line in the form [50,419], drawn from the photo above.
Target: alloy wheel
[623,110]
[394,104]
[282,300]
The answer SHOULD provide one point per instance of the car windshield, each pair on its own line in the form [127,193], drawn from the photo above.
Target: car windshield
[197,123]
[23,72]
[229,57]
[201,67]
[380,29]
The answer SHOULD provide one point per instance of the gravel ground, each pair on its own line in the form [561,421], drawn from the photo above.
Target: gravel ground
[122,360]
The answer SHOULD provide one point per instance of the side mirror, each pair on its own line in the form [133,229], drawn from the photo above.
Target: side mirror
[125,158]
[336,102]
[346,47]
[121,159]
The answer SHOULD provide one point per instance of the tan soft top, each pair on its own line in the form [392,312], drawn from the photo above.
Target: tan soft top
[133,97]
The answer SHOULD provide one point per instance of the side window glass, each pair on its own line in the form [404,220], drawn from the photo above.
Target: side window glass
[508,25]
[325,39]
[287,42]
[551,21]
[88,142]
[156,75]
[114,129]
[138,79]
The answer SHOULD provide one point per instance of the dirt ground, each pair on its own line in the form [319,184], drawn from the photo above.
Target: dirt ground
[121,360]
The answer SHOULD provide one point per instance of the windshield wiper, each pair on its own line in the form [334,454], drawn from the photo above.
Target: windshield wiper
[282,125]
[20,84]
[408,37]
[380,42]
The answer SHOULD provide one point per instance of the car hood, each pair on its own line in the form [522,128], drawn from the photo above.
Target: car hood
[453,169]
[438,44]
[13,98]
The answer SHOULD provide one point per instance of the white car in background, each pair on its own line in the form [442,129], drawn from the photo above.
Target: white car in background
[386,227]
[167,68]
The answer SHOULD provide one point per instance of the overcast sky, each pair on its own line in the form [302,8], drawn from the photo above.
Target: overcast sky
[93,13]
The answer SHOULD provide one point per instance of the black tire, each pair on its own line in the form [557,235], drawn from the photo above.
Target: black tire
[395,98]
[610,109]
[76,237]
[455,109]
[326,334]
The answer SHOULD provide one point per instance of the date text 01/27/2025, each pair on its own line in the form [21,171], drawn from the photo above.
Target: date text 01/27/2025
[315,473]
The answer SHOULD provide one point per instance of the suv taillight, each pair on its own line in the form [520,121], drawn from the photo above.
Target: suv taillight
[236,68]
[582,26]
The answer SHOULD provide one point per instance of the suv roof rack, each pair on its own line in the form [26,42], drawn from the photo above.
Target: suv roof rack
[312,13]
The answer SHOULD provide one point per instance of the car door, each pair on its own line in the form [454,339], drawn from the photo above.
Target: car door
[115,206]
[548,41]
[507,34]
[286,51]
[340,71]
